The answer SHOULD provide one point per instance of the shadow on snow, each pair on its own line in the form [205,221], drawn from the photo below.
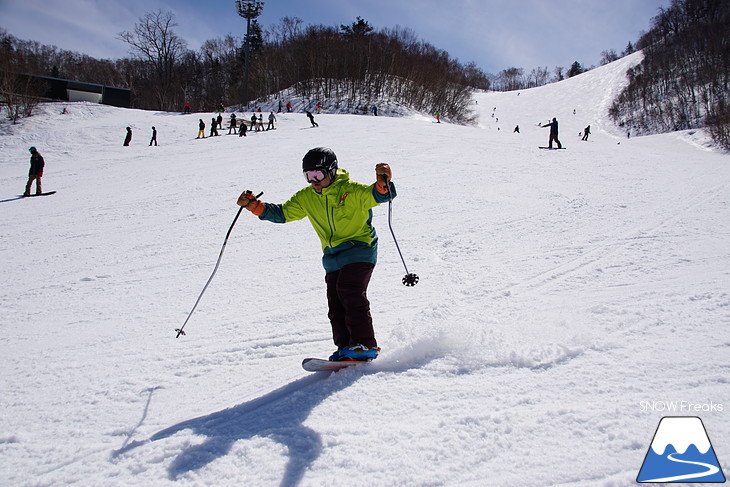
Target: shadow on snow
[278,415]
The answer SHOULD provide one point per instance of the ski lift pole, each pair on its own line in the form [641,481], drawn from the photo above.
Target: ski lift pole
[180,331]
[409,279]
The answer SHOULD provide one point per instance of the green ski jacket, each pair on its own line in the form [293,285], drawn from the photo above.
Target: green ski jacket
[341,215]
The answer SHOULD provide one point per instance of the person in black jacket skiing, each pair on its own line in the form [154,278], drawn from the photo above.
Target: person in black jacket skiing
[586,132]
[553,133]
[36,171]
[128,138]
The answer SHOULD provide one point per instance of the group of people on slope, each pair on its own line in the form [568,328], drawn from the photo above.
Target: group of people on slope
[128,137]
[235,126]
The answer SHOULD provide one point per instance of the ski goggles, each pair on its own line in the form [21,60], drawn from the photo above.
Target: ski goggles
[315,176]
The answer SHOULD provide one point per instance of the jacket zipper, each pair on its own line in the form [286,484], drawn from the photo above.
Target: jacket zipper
[330,219]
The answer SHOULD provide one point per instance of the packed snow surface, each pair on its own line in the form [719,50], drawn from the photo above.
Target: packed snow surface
[566,300]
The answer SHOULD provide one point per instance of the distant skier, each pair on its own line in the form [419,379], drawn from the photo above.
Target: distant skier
[154,136]
[213,127]
[348,239]
[232,124]
[438,117]
[219,120]
[553,133]
[288,107]
[36,171]
[586,132]
[254,124]
[186,107]
[516,130]
[272,119]
[201,129]
[242,128]
[374,110]
[128,138]
[311,119]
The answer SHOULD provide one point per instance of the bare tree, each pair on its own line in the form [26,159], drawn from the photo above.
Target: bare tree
[511,79]
[538,77]
[154,42]
[558,74]
[19,93]
[609,56]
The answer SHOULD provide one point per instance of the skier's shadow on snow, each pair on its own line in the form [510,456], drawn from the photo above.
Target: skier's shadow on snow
[278,415]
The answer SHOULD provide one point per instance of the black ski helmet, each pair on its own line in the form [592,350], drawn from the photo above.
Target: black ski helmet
[322,158]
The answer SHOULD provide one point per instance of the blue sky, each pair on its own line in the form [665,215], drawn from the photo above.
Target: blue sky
[495,34]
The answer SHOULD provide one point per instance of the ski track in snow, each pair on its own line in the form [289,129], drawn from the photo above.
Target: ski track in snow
[558,289]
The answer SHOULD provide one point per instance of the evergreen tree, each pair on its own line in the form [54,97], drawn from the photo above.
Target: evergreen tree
[360,28]
[575,69]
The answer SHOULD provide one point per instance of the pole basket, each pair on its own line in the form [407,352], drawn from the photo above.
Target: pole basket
[410,280]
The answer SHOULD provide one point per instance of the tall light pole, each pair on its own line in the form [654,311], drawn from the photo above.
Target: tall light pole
[248,9]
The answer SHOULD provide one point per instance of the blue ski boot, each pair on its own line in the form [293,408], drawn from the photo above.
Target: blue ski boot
[357,353]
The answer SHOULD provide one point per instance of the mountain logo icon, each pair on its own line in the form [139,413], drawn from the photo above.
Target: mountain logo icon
[680,452]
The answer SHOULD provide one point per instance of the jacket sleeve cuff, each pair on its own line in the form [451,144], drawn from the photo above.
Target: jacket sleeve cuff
[256,207]
[380,188]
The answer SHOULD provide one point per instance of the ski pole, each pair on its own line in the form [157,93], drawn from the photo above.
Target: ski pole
[180,331]
[409,279]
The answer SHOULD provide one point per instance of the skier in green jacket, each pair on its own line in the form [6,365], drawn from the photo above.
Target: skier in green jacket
[340,210]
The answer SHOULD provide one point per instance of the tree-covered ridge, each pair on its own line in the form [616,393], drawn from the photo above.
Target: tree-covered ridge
[353,62]
[683,80]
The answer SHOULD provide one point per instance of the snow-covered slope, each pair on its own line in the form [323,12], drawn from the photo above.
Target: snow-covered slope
[561,292]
